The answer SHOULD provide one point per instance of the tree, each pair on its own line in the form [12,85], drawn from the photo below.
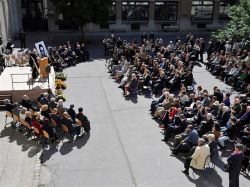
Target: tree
[238,27]
[81,12]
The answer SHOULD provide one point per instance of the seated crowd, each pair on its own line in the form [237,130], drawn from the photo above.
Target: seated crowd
[199,121]
[47,119]
[230,62]
[153,65]
[68,55]
[203,117]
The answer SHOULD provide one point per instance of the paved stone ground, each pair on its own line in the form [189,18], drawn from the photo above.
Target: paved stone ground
[124,148]
[19,164]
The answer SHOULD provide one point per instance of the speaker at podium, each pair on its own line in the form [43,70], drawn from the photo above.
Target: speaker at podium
[43,62]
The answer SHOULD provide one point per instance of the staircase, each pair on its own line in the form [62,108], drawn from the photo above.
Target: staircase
[2,98]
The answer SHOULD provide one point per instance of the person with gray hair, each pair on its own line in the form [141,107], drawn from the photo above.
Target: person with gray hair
[206,126]
[52,103]
[198,158]
[26,102]
[45,99]
[225,116]
[234,165]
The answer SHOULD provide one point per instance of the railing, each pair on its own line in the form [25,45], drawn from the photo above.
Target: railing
[31,84]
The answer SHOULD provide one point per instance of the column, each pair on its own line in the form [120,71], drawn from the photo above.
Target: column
[185,15]
[216,12]
[52,27]
[118,12]
[3,31]
[151,23]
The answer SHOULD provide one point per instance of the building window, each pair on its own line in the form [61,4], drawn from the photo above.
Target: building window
[166,11]
[223,14]
[202,10]
[112,12]
[135,11]
[33,9]
[34,12]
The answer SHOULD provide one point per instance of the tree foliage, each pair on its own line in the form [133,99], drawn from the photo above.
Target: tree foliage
[238,27]
[80,12]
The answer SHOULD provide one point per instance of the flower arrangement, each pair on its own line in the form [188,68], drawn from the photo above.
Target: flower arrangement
[62,76]
[59,95]
[60,84]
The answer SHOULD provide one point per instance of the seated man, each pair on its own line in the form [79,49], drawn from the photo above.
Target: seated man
[199,157]
[190,141]
[49,129]
[158,102]
[84,120]
[72,113]
[206,126]
[52,103]
[26,102]
[8,106]
[175,128]
[44,99]
[73,129]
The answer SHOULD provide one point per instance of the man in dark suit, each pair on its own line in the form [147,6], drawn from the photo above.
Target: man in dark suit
[175,128]
[186,144]
[206,126]
[235,164]
[73,129]
[22,39]
[202,48]
[84,120]
[72,113]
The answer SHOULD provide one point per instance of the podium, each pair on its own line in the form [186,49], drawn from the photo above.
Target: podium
[43,62]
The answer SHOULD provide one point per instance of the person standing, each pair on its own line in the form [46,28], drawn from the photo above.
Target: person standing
[235,165]
[22,39]
[202,48]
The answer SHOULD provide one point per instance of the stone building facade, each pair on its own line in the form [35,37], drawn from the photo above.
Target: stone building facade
[158,15]
[124,15]
[10,19]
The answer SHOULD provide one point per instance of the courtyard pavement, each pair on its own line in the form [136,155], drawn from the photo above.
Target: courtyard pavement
[124,148]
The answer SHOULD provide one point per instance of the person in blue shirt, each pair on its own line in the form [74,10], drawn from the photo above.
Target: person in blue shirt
[226,99]
[186,144]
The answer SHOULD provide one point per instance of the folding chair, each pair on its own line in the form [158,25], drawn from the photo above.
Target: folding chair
[46,137]
[65,131]
[36,132]
[8,114]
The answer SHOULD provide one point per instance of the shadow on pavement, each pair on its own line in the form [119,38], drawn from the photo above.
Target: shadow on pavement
[207,178]
[64,149]
[68,147]
[27,145]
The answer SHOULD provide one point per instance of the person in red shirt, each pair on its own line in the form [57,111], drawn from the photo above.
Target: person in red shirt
[35,123]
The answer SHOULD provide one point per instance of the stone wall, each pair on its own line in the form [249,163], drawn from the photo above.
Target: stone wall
[10,19]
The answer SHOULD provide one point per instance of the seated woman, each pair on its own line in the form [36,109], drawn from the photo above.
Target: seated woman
[131,87]
[198,158]
[120,73]
[37,125]
[156,103]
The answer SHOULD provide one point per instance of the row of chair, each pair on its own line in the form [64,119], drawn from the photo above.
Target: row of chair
[33,132]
